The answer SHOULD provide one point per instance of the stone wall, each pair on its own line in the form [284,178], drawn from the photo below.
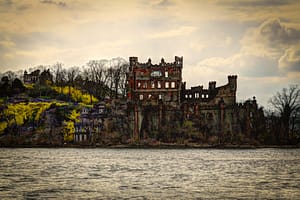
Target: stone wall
[204,112]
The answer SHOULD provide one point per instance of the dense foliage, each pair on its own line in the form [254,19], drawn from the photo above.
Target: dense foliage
[76,94]
[69,129]
[20,113]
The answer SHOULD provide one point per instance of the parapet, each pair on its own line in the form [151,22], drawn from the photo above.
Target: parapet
[177,63]
[232,77]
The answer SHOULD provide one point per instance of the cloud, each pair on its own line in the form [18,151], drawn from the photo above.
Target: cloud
[256,3]
[7,44]
[290,61]
[6,6]
[241,64]
[274,33]
[181,31]
[24,7]
[267,50]
[218,63]
[270,39]
[216,38]
[6,3]
[60,3]
[274,41]
[268,59]
[161,3]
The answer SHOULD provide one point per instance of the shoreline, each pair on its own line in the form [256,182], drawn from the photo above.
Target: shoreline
[160,146]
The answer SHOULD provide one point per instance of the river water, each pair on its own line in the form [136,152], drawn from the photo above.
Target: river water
[67,173]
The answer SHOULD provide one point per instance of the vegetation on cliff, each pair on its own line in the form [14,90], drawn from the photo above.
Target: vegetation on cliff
[68,125]
[20,113]
[76,94]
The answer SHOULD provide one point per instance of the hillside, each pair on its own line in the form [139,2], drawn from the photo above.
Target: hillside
[28,111]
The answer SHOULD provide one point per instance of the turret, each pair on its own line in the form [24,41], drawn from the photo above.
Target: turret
[212,85]
[133,61]
[178,61]
[232,81]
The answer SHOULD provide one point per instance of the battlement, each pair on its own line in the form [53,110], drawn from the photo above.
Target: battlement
[212,85]
[133,61]
[232,81]
[232,77]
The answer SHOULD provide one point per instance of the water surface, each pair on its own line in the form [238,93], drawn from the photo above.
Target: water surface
[149,174]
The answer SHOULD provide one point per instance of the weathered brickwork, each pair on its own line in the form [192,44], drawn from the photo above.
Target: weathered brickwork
[158,101]
[154,83]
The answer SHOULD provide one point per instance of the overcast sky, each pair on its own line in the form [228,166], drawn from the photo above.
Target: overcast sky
[257,40]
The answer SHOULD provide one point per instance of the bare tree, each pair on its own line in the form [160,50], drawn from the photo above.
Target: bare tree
[110,76]
[287,104]
[10,74]
[72,73]
[117,76]
[97,73]
[59,74]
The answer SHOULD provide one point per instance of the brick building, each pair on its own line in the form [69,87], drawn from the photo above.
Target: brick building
[149,82]
[158,98]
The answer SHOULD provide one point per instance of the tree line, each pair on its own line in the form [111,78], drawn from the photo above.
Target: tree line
[100,78]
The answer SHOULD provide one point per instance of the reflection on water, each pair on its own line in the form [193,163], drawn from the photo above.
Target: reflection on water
[149,174]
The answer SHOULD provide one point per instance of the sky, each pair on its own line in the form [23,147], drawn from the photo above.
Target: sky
[258,40]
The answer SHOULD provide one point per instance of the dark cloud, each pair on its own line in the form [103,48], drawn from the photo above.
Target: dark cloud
[60,3]
[256,3]
[9,5]
[6,6]
[270,39]
[158,4]
[274,33]
[270,49]
[273,41]
[24,7]
[27,42]
[6,3]
[164,3]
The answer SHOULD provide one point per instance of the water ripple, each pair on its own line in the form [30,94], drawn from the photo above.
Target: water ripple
[149,174]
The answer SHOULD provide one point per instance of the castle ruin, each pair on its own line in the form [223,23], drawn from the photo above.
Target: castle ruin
[157,98]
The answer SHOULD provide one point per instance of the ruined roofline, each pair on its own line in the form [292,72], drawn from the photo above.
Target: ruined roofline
[178,62]
[212,84]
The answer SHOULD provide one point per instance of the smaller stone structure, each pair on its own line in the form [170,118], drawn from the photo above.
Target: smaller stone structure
[31,78]
[36,77]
